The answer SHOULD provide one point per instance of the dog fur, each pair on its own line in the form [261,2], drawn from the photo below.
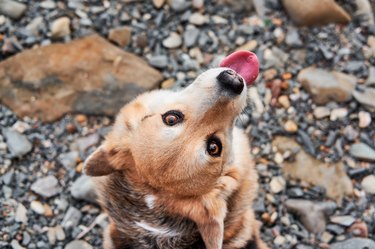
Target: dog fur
[158,184]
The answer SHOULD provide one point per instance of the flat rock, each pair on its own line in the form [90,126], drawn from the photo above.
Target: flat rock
[17,143]
[78,244]
[121,35]
[368,184]
[83,189]
[366,97]
[88,75]
[46,187]
[325,86]
[12,9]
[313,215]
[363,152]
[315,12]
[331,176]
[345,220]
[71,218]
[357,243]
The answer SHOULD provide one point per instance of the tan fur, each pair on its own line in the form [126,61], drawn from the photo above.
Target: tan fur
[169,162]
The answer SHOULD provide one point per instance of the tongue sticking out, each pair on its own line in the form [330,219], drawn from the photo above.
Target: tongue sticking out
[244,63]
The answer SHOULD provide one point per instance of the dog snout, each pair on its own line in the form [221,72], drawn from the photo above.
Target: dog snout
[231,81]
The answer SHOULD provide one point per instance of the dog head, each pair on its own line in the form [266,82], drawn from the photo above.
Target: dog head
[177,142]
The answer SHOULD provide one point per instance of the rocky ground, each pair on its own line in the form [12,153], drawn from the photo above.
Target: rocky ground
[311,128]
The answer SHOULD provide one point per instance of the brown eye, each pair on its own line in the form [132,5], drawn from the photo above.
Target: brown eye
[173,117]
[214,146]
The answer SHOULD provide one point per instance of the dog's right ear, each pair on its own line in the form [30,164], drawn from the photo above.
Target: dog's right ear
[98,163]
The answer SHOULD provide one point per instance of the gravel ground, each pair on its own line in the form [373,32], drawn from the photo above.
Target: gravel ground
[39,163]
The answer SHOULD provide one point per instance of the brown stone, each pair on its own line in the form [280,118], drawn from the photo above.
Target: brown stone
[89,76]
[325,86]
[315,12]
[121,36]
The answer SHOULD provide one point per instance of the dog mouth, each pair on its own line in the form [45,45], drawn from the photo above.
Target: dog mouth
[245,63]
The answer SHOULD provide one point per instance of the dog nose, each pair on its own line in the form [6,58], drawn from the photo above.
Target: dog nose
[231,81]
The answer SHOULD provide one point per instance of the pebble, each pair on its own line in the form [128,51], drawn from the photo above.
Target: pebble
[69,159]
[159,61]
[284,101]
[121,35]
[21,214]
[321,112]
[364,119]
[293,39]
[37,207]
[26,238]
[345,220]
[357,243]
[291,126]
[158,3]
[172,41]
[363,152]
[46,187]
[12,9]
[86,142]
[368,184]
[198,19]
[338,113]
[191,36]
[366,97]
[16,245]
[72,218]
[78,244]
[60,27]
[250,45]
[277,184]
[83,189]
[48,4]
[17,143]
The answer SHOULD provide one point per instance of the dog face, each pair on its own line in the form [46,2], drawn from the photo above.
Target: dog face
[177,142]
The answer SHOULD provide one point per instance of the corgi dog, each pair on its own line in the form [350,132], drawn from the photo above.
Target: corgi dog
[175,172]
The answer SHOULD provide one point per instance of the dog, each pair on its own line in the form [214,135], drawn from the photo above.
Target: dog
[175,172]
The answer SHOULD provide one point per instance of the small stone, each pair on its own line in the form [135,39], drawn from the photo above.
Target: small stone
[345,220]
[69,159]
[37,207]
[21,214]
[371,77]
[26,238]
[35,25]
[17,143]
[293,39]
[364,119]
[168,84]
[291,126]
[83,189]
[198,19]
[179,5]
[84,143]
[81,119]
[357,243]
[159,61]
[250,46]
[60,234]
[219,20]
[279,240]
[172,41]
[366,97]
[363,152]
[191,36]
[368,184]
[78,244]
[12,9]
[338,113]
[198,4]
[359,229]
[71,218]
[158,3]
[321,112]
[284,101]
[327,237]
[277,184]
[51,234]
[46,187]
[121,36]
[48,4]
[16,245]
[278,158]
[60,27]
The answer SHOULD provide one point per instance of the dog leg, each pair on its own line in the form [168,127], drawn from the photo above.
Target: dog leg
[212,233]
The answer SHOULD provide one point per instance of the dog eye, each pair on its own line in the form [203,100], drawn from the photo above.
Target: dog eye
[214,146]
[173,117]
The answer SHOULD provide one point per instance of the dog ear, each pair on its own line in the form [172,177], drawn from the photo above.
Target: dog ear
[98,163]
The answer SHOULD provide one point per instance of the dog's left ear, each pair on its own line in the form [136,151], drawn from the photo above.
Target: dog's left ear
[104,162]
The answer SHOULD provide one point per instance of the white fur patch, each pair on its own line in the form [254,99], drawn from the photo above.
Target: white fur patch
[150,199]
[157,230]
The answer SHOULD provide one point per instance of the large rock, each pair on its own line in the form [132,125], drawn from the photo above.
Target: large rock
[325,86]
[331,176]
[89,75]
[315,12]
[357,243]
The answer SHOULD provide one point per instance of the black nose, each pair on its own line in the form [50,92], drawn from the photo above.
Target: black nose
[231,81]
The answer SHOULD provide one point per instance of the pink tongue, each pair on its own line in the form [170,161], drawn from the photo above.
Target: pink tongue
[245,63]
